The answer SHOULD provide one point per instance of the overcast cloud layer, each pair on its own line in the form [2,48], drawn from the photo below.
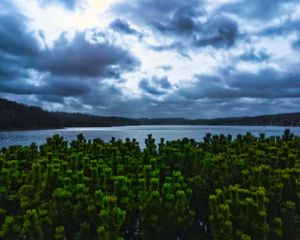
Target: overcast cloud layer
[152,58]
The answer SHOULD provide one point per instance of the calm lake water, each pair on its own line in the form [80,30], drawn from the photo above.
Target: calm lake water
[8,138]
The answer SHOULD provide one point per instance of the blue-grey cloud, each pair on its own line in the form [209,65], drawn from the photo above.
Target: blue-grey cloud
[177,46]
[69,68]
[122,26]
[174,106]
[7,6]
[19,48]
[257,9]
[155,85]
[218,32]
[10,68]
[252,55]
[166,67]
[15,39]
[179,20]
[86,73]
[69,4]
[152,12]
[296,44]
[50,98]
[182,22]
[83,58]
[282,28]
[267,83]
[164,83]
[50,85]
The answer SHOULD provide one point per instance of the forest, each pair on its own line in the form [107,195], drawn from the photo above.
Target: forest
[19,116]
[221,188]
[15,116]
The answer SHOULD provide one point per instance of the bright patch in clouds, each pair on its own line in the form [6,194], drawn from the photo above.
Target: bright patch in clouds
[152,58]
[53,18]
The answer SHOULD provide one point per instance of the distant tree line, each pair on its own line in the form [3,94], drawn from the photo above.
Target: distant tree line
[18,116]
[85,120]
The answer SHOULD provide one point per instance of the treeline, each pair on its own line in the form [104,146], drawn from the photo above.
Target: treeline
[221,188]
[285,119]
[85,120]
[18,116]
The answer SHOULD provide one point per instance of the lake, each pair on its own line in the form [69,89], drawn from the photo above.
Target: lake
[8,138]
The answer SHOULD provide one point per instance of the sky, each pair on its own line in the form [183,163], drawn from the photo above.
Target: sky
[152,58]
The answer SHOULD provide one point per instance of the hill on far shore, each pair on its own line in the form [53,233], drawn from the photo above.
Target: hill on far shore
[15,116]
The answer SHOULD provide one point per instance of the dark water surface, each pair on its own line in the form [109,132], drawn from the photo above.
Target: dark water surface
[8,138]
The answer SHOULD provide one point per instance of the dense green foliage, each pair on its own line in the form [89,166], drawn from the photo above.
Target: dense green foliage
[221,188]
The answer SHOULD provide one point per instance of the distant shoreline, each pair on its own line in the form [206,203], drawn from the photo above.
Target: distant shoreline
[19,117]
[61,128]
[28,129]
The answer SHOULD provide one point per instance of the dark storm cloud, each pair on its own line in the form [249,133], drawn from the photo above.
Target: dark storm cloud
[252,55]
[100,99]
[296,44]
[54,86]
[154,12]
[146,87]
[267,83]
[10,68]
[256,9]
[155,85]
[173,18]
[15,39]
[163,82]
[218,32]
[69,4]
[85,74]
[19,49]
[51,98]
[178,47]
[122,26]
[206,86]
[176,106]
[282,28]
[104,97]
[15,87]
[83,58]
[179,20]
[68,86]
[78,57]
[69,68]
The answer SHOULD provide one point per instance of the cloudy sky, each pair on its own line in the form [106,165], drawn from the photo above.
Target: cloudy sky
[152,58]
